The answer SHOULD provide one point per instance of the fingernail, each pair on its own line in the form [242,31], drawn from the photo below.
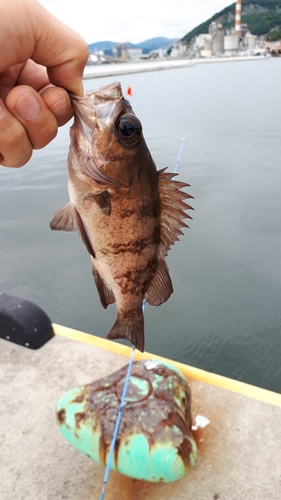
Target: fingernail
[1,108]
[28,108]
[1,113]
[81,90]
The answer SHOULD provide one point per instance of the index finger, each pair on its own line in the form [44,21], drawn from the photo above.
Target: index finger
[28,31]
[60,49]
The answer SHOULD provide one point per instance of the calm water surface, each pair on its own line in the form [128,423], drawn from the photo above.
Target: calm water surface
[225,313]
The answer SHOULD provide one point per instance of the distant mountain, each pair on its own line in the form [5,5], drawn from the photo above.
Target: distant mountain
[157,43]
[263,17]
[147,45]
[101,46]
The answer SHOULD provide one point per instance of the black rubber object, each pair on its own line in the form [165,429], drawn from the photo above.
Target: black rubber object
[23,322]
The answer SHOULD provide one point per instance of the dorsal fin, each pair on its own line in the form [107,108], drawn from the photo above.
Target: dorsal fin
[64,219]
[172,209]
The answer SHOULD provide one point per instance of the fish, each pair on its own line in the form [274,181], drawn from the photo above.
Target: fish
[127,213]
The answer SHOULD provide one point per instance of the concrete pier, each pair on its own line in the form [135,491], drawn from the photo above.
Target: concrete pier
[239,452]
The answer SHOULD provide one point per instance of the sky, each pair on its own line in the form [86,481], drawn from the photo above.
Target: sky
[133,21]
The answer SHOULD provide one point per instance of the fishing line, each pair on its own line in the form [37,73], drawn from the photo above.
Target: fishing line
[118,419]
[117,423]
[179,156]
[122,402]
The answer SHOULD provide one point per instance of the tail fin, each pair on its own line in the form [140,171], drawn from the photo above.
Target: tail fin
[129,330]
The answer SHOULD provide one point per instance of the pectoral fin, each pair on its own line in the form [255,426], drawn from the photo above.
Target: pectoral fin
[102,200]
[64,219]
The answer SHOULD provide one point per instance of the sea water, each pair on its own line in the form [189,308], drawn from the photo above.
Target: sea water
[225,312]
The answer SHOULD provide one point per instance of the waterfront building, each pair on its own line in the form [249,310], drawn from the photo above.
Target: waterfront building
[217,33]
[231,44]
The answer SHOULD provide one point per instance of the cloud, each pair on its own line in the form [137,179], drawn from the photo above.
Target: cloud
[125,20]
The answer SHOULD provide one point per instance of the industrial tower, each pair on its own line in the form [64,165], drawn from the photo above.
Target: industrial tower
[238,18]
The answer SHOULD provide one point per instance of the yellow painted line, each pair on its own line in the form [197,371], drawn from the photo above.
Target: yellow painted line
[189,371]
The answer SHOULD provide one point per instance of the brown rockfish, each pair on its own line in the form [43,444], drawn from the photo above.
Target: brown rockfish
[127,213]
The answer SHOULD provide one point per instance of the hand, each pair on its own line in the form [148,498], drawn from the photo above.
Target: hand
[41,59]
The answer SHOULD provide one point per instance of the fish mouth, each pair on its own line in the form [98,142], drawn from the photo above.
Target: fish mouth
[103,104]
[97,103]
[111,91]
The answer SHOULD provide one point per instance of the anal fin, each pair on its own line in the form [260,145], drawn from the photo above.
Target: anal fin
[161,286]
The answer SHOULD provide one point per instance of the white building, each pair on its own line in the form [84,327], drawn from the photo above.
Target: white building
[179,49]
[218,40]
[231,44]
[134,53]
[204,44]
[250,41]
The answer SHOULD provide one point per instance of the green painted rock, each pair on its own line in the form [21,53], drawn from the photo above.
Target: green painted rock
[155,442]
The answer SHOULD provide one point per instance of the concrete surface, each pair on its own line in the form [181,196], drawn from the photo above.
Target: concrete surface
[239,451]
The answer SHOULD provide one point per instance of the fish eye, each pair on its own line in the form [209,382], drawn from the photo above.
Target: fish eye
[129,129]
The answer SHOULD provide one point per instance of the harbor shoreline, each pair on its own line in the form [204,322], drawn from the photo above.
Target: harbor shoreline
[104,70]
